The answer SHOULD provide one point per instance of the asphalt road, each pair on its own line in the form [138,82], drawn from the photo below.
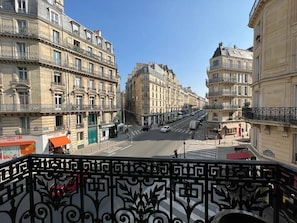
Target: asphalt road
[154,143]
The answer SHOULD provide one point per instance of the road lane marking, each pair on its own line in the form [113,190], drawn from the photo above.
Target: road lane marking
[126,147]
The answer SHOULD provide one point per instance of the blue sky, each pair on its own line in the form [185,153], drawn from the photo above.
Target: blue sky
[182,34]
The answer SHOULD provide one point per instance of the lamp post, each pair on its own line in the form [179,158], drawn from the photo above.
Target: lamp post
[184,149]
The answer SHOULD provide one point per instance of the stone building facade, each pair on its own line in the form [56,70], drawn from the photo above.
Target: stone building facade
[229,79]
[154,95]
[273,113]
[58,79]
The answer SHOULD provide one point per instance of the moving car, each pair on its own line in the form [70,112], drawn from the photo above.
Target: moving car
[165,128]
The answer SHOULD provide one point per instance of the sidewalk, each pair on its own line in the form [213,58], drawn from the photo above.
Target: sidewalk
[223,146]
[101,146]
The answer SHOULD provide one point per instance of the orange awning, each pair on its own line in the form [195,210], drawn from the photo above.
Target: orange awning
[59,141]
[17,142]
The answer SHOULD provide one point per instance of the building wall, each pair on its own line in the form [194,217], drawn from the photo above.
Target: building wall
[154,95]
[274,76]
[229,79]
[41,109]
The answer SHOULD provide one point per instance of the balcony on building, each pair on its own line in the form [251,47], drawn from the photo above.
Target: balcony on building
[274,115]
[222,107]
[33,33]
[69,188]
[54,108]
[223,80]
[230,67]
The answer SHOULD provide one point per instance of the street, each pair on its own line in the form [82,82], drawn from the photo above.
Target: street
[154,143]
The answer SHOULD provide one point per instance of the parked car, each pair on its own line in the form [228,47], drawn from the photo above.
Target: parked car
[179,117]
[165,128]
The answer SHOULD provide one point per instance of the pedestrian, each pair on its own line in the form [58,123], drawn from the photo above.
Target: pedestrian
[175,153]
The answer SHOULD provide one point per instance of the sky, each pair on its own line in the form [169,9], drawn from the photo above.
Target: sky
[182,34]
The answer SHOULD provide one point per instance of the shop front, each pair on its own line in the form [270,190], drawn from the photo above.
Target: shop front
[57,145]
[15,146]
[107,131]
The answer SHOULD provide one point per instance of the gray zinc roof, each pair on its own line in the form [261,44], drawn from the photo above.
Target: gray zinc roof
[233,52]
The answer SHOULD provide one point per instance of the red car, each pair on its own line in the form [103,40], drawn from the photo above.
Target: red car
[59,190]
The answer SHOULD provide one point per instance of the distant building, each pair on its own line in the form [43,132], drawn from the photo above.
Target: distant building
[58,80]
[229,79]
[273,112]
[154,95]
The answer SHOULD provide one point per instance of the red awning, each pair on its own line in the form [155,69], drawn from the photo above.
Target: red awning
[59,141]
[17,142]
[239,155]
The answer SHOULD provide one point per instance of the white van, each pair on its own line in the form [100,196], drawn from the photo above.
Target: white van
[193,124]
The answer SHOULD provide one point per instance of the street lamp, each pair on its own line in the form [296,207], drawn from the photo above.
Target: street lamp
[184,149]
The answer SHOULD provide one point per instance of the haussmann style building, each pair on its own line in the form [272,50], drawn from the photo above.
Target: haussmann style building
[58,80]
[273,112]
[229,78]
[155,97]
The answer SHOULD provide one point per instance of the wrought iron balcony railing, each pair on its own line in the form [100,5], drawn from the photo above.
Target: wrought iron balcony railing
[38,34]
[66,188]
[276,114]
[36,57]
[45,108]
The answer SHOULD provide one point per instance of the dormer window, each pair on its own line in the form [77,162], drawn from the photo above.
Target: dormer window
[21,6]
[75,28]
[99,41]
[88,35]
[108,46]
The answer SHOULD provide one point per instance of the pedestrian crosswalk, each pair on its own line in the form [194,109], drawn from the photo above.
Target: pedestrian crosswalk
[183,131]
[203,154]
[137,131]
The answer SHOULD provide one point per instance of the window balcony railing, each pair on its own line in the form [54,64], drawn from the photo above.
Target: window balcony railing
[221,80]
[68,188]
[275,114]
[222,107]
[222,93]
[45,108]
[34,33]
